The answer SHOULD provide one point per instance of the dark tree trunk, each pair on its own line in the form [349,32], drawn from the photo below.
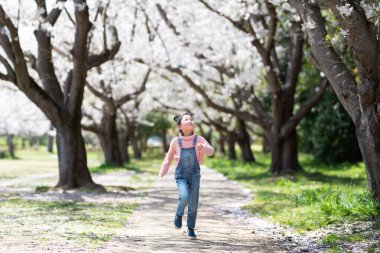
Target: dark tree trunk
[208,135]
[284,155]
[136,149]
[108,137]
[231,147]
[72,159]
[246,152]
[290,153]
[124,143]
[368,135]
[164,142]
[244,143]
[221,148]
[50,140]
[11,146]
[111,150]
[266,144]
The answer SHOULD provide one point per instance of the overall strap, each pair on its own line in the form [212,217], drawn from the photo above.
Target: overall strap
[179,141]
[195,140]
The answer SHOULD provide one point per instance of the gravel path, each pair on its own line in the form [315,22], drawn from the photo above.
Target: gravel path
[150,228]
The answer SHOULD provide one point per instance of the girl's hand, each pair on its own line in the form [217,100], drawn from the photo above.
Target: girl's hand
[199,146]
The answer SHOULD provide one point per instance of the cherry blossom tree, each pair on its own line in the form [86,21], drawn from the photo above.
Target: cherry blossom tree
[358,91]
[57,88]
[112,89]
[247,44]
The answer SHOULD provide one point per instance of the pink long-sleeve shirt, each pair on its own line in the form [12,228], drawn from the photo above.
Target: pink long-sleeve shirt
[187,142]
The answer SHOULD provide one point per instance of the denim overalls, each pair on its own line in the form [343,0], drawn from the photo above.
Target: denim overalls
[187,177]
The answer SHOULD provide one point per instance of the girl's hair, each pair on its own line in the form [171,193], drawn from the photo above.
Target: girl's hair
[178,119]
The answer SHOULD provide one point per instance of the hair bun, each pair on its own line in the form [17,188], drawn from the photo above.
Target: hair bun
[176,118]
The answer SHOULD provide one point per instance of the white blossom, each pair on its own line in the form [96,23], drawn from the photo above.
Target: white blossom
[345,10]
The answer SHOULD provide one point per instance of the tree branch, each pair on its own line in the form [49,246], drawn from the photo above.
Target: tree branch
[124,99]
[295,63]
[45,66]
[24,82]
[331,64]
[361,36]
[80,55]
[97,93]
[291,124]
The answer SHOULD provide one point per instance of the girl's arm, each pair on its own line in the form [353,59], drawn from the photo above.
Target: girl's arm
[207,148]
[168,159]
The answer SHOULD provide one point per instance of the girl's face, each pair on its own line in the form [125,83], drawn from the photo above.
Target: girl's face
[187,124]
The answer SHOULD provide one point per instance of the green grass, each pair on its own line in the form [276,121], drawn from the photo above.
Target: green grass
[320,195]
[87,224]
[37,161]
[333,239]
[84,223]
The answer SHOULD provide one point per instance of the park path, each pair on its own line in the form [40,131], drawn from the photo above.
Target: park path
[150,228]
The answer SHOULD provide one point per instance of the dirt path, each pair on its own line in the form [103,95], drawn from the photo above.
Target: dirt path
[150,228]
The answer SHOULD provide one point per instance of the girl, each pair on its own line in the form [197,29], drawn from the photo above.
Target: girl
[188,150]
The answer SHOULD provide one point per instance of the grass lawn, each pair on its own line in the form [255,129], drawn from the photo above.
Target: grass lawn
[320,195]
[45,221]
[87,224]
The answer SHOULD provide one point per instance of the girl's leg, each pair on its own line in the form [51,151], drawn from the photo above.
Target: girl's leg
[183,199]
[193,200]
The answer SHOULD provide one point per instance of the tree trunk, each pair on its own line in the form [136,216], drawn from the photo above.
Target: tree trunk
[111,149]
[284,155]
[50,140]
[244,142]
[290,154]
[11,146]
[124,143]
[231,147]
[208,135]
[164,142]
[73,170]
[221,148]
[368,136]
[23,145]
[109,139]
[266,144]
[276,154]
[136,150]
[246,152]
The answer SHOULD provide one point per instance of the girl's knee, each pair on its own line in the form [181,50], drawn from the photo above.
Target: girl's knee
[184,198]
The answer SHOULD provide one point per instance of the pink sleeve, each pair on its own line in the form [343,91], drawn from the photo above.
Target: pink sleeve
[168,158]
[207,148]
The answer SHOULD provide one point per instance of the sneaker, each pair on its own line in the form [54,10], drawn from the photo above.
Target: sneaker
[191,234]
[178,221]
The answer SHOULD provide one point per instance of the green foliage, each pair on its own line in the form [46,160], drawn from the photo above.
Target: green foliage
[161,124]
[328,133]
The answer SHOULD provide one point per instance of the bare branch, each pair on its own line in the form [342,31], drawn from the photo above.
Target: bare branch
[97,93]
[166,19]
[272,26]
[236,24]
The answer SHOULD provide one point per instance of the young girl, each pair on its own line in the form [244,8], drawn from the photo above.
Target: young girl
[188,150]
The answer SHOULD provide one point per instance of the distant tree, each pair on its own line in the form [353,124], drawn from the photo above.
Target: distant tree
[59,100]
